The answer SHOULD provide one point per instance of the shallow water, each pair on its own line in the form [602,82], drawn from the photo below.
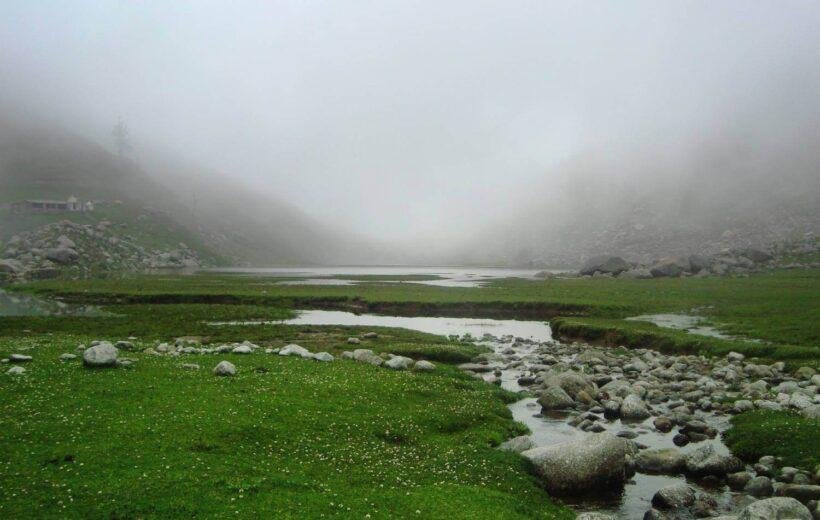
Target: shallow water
[12,304]
[629,502]
[691,324]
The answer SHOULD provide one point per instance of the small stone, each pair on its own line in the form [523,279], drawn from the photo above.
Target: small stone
[19,358]
[103,354]
[15,371]
[323,356]
[242,349]
[67,357]
[190,366]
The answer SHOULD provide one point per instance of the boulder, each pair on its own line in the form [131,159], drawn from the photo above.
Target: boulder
[295,350]
[517,444]
[757,256]
[759,486]
[604,264]
[364,355]
[555,398]
[572,383]
[779,508]
[638,273]
[592,462]
[225,368]
[802,492]
[399,363]
[424,366]
[698,263]
[665,461]
[242,349]
[62,255]
[670,267]
[19,358]
[674,496]
[10,266]
[705,461]
[633,408]
[103,354]
[323,356]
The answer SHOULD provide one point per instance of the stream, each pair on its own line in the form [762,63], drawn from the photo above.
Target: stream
[528,341]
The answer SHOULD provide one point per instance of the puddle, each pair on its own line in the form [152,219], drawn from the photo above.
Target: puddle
[691,324]
[13,304]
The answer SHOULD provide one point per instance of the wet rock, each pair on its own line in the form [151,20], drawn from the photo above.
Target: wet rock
[572,383]
[759,486]
[680,440]
[663,424]
[737,481]
[802,492]
[103,354]
[593,462]
[225,368]
[665,461]
[779,508]
[517,444]
[633,408]
[674,496]
[555,398]
[706,461]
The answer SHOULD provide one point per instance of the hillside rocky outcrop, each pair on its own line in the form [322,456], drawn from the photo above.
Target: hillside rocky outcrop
[75,250]
[728,262]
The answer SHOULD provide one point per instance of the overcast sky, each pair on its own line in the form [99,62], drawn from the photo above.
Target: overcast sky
[402,119]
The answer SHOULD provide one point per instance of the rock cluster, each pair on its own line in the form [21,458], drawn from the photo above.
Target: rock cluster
[79,250]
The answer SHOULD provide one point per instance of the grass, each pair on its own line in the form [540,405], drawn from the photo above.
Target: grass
[778,308]
[285,438]
[779,433]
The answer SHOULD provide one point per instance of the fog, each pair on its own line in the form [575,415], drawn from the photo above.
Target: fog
[485,132]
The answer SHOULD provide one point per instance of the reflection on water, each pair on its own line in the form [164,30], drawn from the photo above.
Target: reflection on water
[12,304]
[691,324]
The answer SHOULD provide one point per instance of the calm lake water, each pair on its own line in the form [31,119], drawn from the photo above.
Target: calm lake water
[449,276]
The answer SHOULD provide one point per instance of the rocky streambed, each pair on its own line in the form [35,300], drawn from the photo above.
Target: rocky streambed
[636,433]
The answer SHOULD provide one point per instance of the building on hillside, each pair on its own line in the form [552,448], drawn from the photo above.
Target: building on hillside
[48,206]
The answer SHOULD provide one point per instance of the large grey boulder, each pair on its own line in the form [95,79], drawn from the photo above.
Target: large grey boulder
[399,363]
[103,354]
[698,263]
[592,462]
[365,355]
[706,461]
[674,496]
[604,264]
[779,508]
[670,267]
[9,265]
[633,408]
[639,273]
[62,255]
[572,383]
[555,398]
[665,461]
[424,366]
[295,350]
